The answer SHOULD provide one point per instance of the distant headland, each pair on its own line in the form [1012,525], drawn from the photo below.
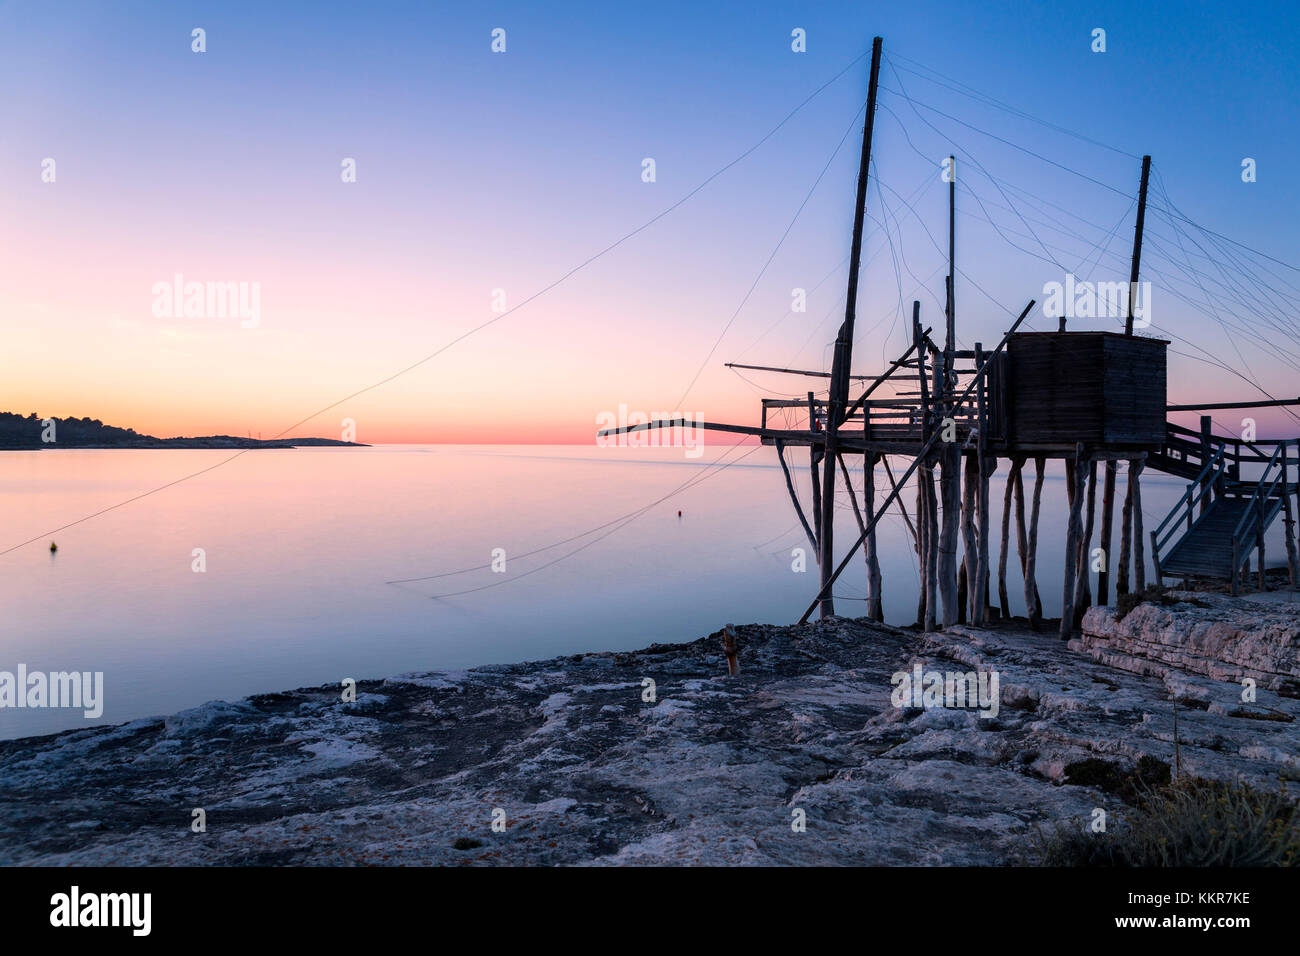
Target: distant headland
[33,432]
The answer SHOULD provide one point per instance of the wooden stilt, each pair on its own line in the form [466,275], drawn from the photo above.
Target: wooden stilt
[1004,600]
[984,575]
[1125,538]
[875,599]
[1297,497]
[1083,584]
[1022,538]
[1139,558]
[826,529]
[985,469]
[933,565]
[970,491]
[923,546]
[813,460]
[868,503]
[932,551]
[949,592]
[1206,421]
[1034,605]
[1259,543]
[1075,470]
[1107,516]
[924,489]
[1288,526]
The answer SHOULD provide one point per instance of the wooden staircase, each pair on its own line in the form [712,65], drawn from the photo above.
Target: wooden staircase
[1205,550]
[1234,516]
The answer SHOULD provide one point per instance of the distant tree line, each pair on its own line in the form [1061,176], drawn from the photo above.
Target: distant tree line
[19,432]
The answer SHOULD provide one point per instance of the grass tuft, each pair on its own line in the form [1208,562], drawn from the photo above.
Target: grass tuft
[1192,822]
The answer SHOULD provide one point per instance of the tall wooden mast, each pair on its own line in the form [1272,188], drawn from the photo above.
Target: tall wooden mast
[949,342]
[1137,243]
[1108,486]
[839,382]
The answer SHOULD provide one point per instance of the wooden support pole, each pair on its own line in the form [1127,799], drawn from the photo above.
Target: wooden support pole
[990,466]
[1075,467]
[826,528]
[924,482]
[1083,584]
[1125,538]
[1107,517]
[841,364]
[1288,526]
[1137,243]
[1259,541]
[963,592]
[932,550]
[1135,467]
[949,489]
[935,405]
[1274,403]
[1032,601]
[1004,599]
[1205,459]
[986,468]
[816,481]
[970,494]
[950,339]
[924,545]
[873,562]
[875,599]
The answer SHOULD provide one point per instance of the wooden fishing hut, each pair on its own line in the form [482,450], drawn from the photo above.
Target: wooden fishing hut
[1089,398]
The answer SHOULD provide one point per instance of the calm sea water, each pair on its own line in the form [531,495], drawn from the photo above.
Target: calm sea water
[299,544]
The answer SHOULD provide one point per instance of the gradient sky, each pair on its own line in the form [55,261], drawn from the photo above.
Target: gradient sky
[479,170]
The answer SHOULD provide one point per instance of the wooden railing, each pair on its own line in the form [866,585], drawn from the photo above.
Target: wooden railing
[1197,491]
[1260,510]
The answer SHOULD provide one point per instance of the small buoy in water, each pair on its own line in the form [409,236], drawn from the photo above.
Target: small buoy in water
[53,547]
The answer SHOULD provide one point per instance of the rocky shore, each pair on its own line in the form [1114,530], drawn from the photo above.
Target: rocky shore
[581,761]
[1203,633]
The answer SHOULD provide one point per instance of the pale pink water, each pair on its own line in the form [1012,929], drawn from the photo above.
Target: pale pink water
[299,543]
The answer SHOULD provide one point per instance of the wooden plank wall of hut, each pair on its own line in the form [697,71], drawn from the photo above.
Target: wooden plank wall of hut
[1134,390]
[1055,388]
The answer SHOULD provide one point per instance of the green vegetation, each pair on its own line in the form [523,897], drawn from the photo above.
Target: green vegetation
[1191,822]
